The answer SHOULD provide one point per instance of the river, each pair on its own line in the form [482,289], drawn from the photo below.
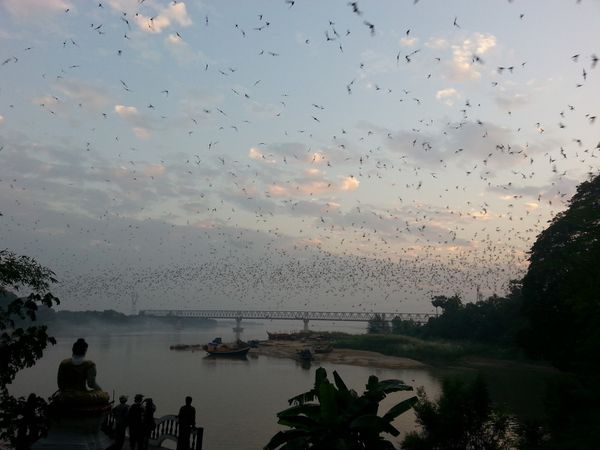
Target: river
[236,401]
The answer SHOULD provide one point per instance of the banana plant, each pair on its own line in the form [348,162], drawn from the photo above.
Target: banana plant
[331,416]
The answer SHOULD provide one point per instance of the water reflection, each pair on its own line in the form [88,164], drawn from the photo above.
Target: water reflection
[305,364]
[228,391]
[216,358]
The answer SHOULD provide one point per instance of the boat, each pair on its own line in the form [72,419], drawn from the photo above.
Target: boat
[324,349]
[219,348]
[279,336]
[304,354]
[191,347]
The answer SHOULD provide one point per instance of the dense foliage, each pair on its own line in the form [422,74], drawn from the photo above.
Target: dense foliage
[378,325]
[462,419]
[495,320]
[332,417]
[561,303]
[562,286]
[21,342]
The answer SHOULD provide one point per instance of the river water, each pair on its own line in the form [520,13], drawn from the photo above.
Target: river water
[236,401]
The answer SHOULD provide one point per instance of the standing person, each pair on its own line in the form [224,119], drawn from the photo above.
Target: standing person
[120,413]
[135,420]
[31,425]
[148,423]
[187,421]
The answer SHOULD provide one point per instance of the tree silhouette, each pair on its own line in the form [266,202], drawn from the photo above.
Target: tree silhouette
[21,343]
[561,289]
[461,419]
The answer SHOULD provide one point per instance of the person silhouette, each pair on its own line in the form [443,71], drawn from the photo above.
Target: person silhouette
[120,414]
[135,421]
[148,423]
[187,422]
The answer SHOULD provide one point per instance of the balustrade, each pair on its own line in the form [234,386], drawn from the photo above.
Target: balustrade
[167,428]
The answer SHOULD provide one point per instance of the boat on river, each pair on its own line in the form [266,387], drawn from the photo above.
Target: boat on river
[305,354]
[328,348]
[219,348]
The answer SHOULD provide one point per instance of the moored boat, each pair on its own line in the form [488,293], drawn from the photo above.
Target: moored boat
[304,354]
[324,349]
[219,348]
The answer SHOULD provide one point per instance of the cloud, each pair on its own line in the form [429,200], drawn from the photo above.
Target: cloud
[29,8]
[532,205]
[437,44]
[316,157]
[558,190]
[46,100]
[174,39]
[82,92]
[376,63]
[126,111]
[142,133]
[143,123]
[349,184]
[255,153]
[465,144]
[512,101]
[462,67]
[175,13]
[278,191]
[313,187]
[154,170]
[447,96]
[408,42]
[1,119]
[178,12]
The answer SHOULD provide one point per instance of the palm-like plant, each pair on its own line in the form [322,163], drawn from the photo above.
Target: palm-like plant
[331,416]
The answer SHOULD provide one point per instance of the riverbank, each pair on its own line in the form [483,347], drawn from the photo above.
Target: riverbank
[437,352]
[363,358]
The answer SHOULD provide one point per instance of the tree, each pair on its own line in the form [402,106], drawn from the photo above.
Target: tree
[407,327]
[462,419]
[21,343]
[448,325]
[448,304]
[340,418]
[562,286]
[378,325]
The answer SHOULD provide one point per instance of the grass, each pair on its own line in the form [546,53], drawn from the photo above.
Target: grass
[429,351]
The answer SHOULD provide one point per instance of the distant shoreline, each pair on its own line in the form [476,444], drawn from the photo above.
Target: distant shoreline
[110,320]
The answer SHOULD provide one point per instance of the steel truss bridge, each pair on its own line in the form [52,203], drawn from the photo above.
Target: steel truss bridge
[305,316]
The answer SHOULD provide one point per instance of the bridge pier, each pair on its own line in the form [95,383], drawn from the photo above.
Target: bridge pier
[238,329]
[305,324]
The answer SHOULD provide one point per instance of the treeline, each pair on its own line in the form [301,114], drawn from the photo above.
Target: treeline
[552,314]
[496,320]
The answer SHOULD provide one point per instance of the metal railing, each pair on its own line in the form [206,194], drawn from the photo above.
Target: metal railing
[287,315]
[167,429]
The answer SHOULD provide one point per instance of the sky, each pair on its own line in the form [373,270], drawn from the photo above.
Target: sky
[320,155]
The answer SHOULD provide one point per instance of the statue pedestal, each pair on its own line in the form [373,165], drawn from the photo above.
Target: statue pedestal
[76,430]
